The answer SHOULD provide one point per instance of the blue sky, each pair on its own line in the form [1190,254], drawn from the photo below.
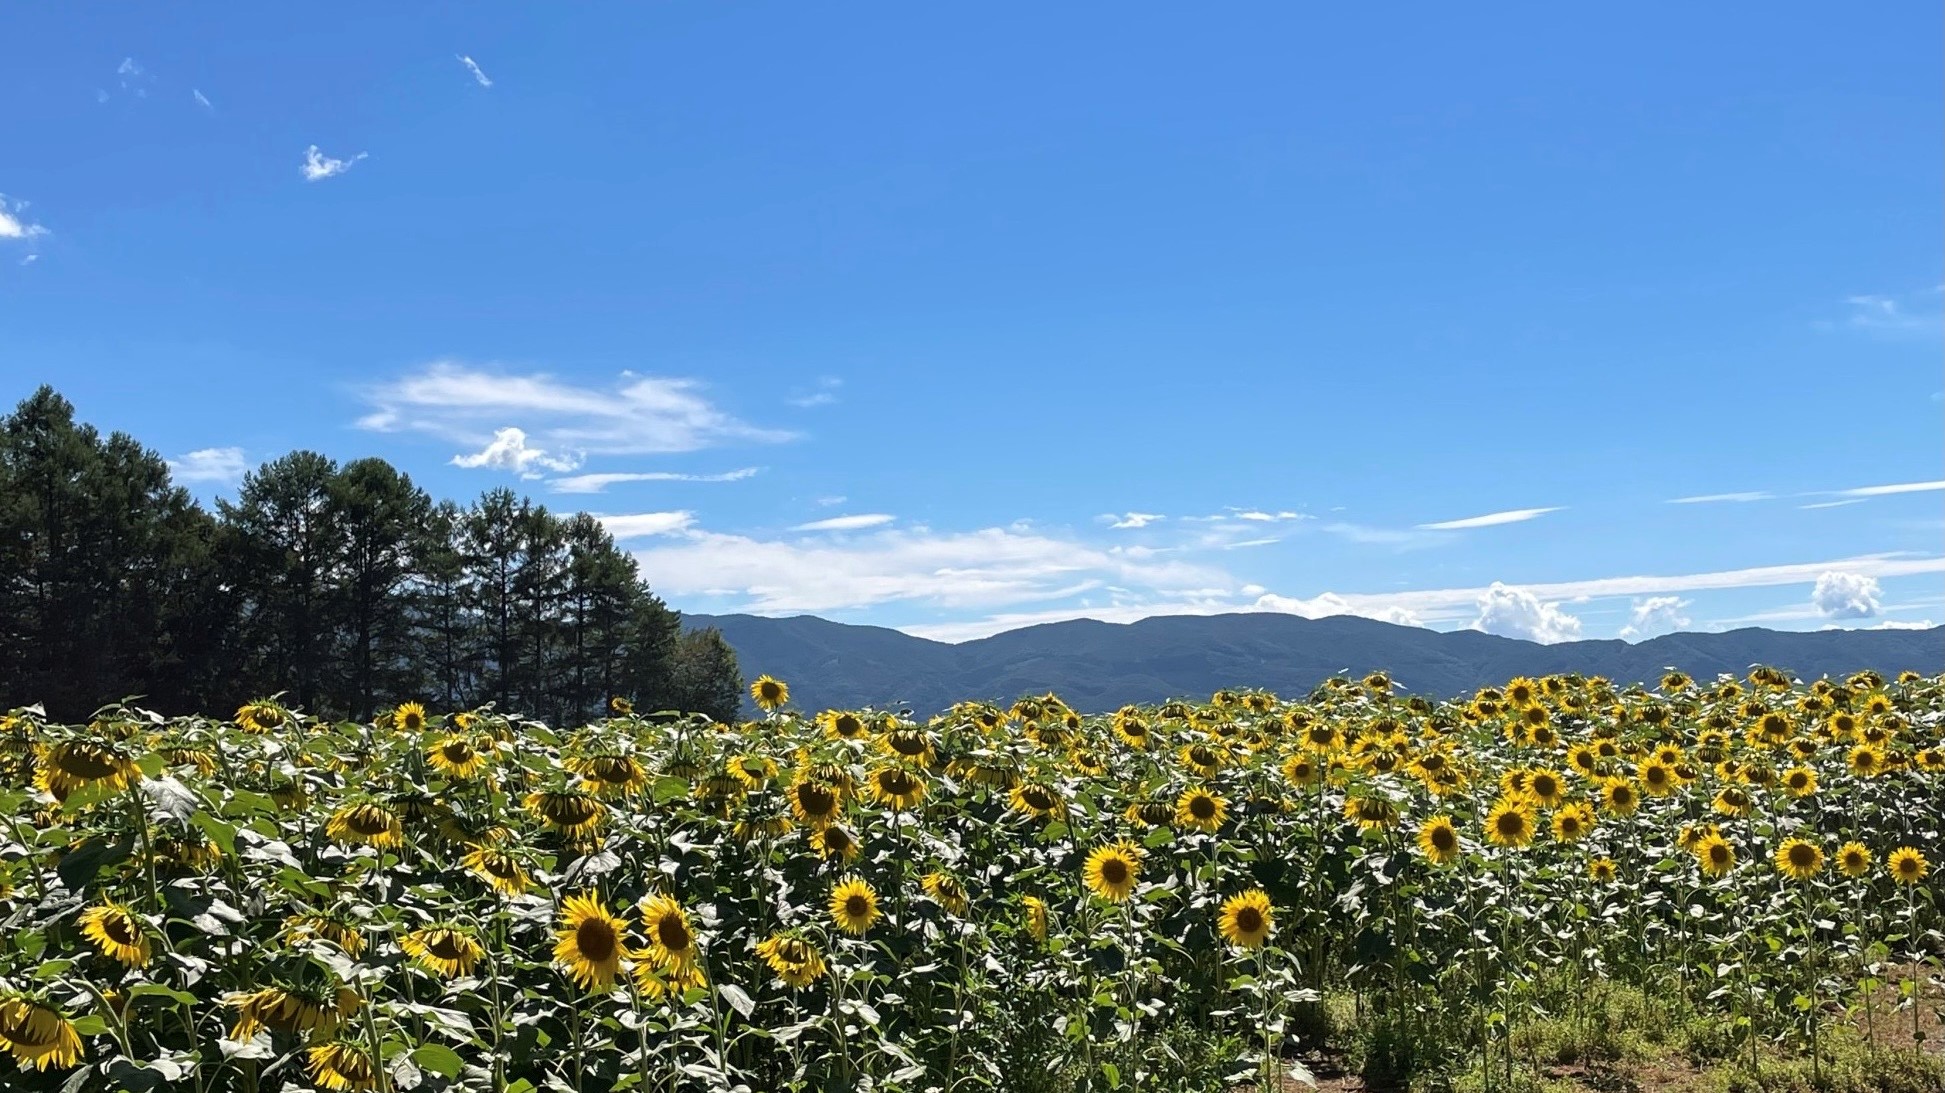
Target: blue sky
[953,320]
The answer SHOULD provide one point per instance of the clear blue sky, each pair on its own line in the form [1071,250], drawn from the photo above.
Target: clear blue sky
[936,297]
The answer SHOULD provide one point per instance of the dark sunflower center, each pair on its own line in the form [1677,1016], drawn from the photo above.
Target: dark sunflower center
[1203,808]
[673,934]
[1038,797]
[1249,920]
[457,752]
[816,799]
[596,940]
[1719,854]
[771,691]
[447,945]
[896,782]
[1511,823]
[1444,838]
[369,820]
[849,725]
[119,929]
[1803,856]
[85,763]
[1114,871]
[857,905]
[1545,786]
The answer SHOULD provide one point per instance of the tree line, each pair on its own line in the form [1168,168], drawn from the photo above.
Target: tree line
[344,587]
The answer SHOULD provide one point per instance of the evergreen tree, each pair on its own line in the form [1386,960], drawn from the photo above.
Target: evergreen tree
[285,548]
[706,679]
[383,523]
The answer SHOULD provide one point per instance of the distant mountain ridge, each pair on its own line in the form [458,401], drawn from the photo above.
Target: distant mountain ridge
[1100,666]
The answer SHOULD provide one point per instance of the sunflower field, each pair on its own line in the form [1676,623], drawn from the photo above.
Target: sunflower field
[1186,896]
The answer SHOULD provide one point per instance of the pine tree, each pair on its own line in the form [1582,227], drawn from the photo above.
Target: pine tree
[706,679]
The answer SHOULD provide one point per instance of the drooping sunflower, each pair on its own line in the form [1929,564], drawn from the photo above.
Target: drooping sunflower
[456,758]
[656,981]
[1799,781]
[836,841]
[311,1010]
[612,774]
[1040,801]
[1201,809]
[324,926]
[769,693]
[794,960]
[342,1065]
[1601,870]
[499,869]
[1247,918]
[568,811]
[1510,823]
[1112,871]
[258,718]
[1853,859]
[671,940]
[73,764]
[368,823]
[1036,909]
[591,942]
[1573,822]
[1204,759]
[947,891]
[446,951]
[1715,855]
[1907,865]
[1371,813]
[897,787]
[37,1034]
[1438,840]
[1733,801]
[1798,859]
[814,803]
[854,906]
[409,717]
[117,932]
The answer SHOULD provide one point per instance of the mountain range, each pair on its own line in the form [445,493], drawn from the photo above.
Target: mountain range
[1098,666]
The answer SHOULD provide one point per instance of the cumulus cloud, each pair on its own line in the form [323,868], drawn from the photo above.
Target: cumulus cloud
[1330,603]
[1846,595]
[318,166]
[14,223]
[1491,519]
[642,525]
[597,483]
[1132,519]
[509,451]
[473,67]
[1902,624]
[224,466]
[1655,616]
[638,415]
[1517,613]
[848,523]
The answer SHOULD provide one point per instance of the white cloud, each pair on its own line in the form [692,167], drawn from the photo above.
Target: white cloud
[831,500]
[1714,498]
[642,525]
[1846,595]
[1834,504]
[1517,613]
[318,166]
[1330,603]
[473,67]
[134,78]
[1258,516]
[847,523]
[1491,519]
[14,225]
[1902,624]
[823,394]
[1915,313]
[1894,488]
[509,451]
[596,483]
[1655,616]
[640,415]
[1133,519]
[202,100]
[221,465]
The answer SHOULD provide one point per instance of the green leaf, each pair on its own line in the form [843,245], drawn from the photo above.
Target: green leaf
[78,869]
[439,1059]
[91,1024]
[1113,1074]
[221,833]
[738,999]
[157,990]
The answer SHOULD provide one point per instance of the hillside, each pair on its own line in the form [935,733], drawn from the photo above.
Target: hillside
[1099,666]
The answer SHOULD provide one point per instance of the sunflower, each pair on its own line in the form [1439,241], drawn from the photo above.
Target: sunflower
[1657,778]
[1582,758]
[1371,813]
[854,905]
[73,764]
[409,717]
[1853,859]
[794,960]
[611,774]
[1546,788]
[1691,836]
[1152,812]
[1798,859]
[325,927]
[947,891]
[38,1035]
[342,1065]
[445,951]
[654,981]
[1247,918]
[1733,801]
[1601,870]
[620,707]
[1111,871]
[497,868]
[258,718]
[1715,855]
[456,757]
[1438,840]
[366,822]
[842,725]
[1907,865]
[1509,824]
[117,932]
[1132,730]
[291,1010]
[1619,797]
[1036,909]
[1301,771]
[1204,759]
[590,942]
[769,693]
[1866,761]
[1199,808]
[836,841]
[815,804]
[1036,799]
[1573,822]
[1800,781]
[1522,691]
[569,811]
[897,787]
[671,940]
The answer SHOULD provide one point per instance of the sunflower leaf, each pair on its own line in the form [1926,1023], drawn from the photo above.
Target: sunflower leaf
[738,999]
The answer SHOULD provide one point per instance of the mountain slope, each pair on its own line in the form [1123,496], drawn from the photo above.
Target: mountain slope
[1099,666]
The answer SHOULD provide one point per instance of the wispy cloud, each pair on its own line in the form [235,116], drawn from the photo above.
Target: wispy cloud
[472,66]
[637,415]
[823,394]
[1129,520]
[223,466]
[1898,487]
[1491,519]
[202,100]
[847,523]
[133,78]
[509,451]
[596,483]
[1916,313]
[643,525]
[318,166]
[14,223]
[1717,498]
[1834,504]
